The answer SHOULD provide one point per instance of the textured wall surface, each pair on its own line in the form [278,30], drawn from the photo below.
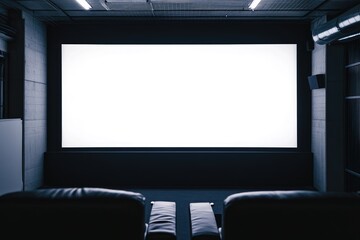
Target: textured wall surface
[35,101]
[318,133]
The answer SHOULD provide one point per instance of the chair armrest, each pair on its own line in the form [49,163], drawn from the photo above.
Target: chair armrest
[162,223]
[203,223]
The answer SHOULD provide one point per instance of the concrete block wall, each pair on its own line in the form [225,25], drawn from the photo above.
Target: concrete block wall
[327,135]
[318,115]
[35,81]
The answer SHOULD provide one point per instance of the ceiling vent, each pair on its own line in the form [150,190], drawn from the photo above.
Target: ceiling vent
[345,26]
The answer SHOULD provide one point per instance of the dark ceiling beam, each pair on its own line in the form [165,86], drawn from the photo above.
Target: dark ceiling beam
[51,3]
[316,8]
[12,4]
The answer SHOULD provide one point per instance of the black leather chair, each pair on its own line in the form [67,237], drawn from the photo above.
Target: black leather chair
[76,213]
[280,215]
[162,222]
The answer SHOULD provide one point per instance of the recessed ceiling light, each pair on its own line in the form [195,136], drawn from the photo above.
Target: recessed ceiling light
[84,4]
[254,4]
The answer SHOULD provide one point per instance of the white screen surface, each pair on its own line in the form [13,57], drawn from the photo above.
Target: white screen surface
[179,95]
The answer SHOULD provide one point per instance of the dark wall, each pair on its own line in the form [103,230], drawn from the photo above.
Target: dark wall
[16,66]
[175,167]
[27,76]
[352,99]
[179,169]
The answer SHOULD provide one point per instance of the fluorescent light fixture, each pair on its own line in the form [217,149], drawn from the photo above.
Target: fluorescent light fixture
[322,35]
[333,30]
[118,4]
[316,38]
[349,21]
[84,4]
[343,27]
[350,36]
[254,4]
[325,34]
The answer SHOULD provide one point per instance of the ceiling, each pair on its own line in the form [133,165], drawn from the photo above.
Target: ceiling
[70,10]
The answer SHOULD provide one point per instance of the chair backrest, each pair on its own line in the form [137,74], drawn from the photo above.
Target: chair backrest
[291,215]
[73,213]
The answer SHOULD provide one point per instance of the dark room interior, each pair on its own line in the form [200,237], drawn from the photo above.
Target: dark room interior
[182,101]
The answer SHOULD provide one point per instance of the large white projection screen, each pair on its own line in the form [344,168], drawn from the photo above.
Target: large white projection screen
[212,95]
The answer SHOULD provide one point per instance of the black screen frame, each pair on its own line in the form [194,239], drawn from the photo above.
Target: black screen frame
[180,32]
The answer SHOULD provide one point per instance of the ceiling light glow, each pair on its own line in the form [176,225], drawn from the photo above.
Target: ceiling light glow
[349,21]
[333,30]
[84,4]
[254,4]
[348,37]
[316,38]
